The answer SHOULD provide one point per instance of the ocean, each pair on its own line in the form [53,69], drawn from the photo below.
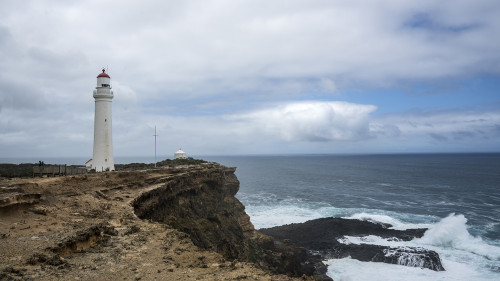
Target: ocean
[455,196]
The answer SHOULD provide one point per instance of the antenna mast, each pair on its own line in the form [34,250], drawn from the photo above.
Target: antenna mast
[155,135]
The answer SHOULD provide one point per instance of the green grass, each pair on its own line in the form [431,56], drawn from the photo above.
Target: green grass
[164,163]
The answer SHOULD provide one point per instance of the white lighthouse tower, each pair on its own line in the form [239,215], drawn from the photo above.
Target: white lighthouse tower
[102,159]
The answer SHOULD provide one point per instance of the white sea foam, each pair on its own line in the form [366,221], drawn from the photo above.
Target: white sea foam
[264,217]
[451,232]
[348,269]
[385,219]
[372,240]
[277,212]
[464,256]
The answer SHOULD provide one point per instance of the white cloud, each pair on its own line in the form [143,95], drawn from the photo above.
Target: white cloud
[311,121]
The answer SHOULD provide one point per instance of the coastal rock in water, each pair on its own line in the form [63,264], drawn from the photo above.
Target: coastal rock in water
[407,256]
[316,232]
[323,235]
[411,256]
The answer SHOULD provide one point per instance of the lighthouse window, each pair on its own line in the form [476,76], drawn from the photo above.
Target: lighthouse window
[105,85]
[105,120]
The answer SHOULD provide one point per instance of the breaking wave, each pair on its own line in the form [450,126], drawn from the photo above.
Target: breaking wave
[451,232]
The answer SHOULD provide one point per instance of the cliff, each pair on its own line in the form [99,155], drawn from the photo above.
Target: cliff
[179,223]
[202,203]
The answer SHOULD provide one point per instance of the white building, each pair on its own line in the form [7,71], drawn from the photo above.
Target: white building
[88,164]
[180,154]
[102,159]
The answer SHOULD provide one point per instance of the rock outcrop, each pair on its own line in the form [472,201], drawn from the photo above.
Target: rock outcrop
[9,200]
[202,203]
[325,236]
[13,196]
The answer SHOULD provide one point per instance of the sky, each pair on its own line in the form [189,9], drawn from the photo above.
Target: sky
[231,77]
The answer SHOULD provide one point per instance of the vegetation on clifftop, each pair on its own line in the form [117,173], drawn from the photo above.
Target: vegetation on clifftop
[26,169]
[164,163]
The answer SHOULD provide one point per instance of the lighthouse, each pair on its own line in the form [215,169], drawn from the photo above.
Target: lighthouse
[102,159]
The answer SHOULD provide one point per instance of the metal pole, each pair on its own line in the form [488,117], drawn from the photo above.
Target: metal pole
[155,135]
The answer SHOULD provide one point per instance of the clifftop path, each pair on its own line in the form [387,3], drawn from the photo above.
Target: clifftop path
[181,223]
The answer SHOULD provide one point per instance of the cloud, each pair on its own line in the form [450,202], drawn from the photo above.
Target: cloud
[320,127]
[217,74]
[311,121]
[455,128]
[185,47]
[249,131]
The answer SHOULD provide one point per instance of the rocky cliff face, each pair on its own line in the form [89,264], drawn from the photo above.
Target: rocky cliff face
[201,203]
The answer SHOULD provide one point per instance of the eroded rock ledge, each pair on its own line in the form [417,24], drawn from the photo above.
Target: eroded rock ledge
[202,203]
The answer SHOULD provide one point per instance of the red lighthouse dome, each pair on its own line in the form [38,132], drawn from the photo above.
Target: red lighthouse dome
[103,74]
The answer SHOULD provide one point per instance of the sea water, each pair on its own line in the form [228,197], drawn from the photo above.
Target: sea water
[455,196]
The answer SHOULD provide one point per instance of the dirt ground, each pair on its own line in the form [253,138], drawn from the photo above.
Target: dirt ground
[84,228]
